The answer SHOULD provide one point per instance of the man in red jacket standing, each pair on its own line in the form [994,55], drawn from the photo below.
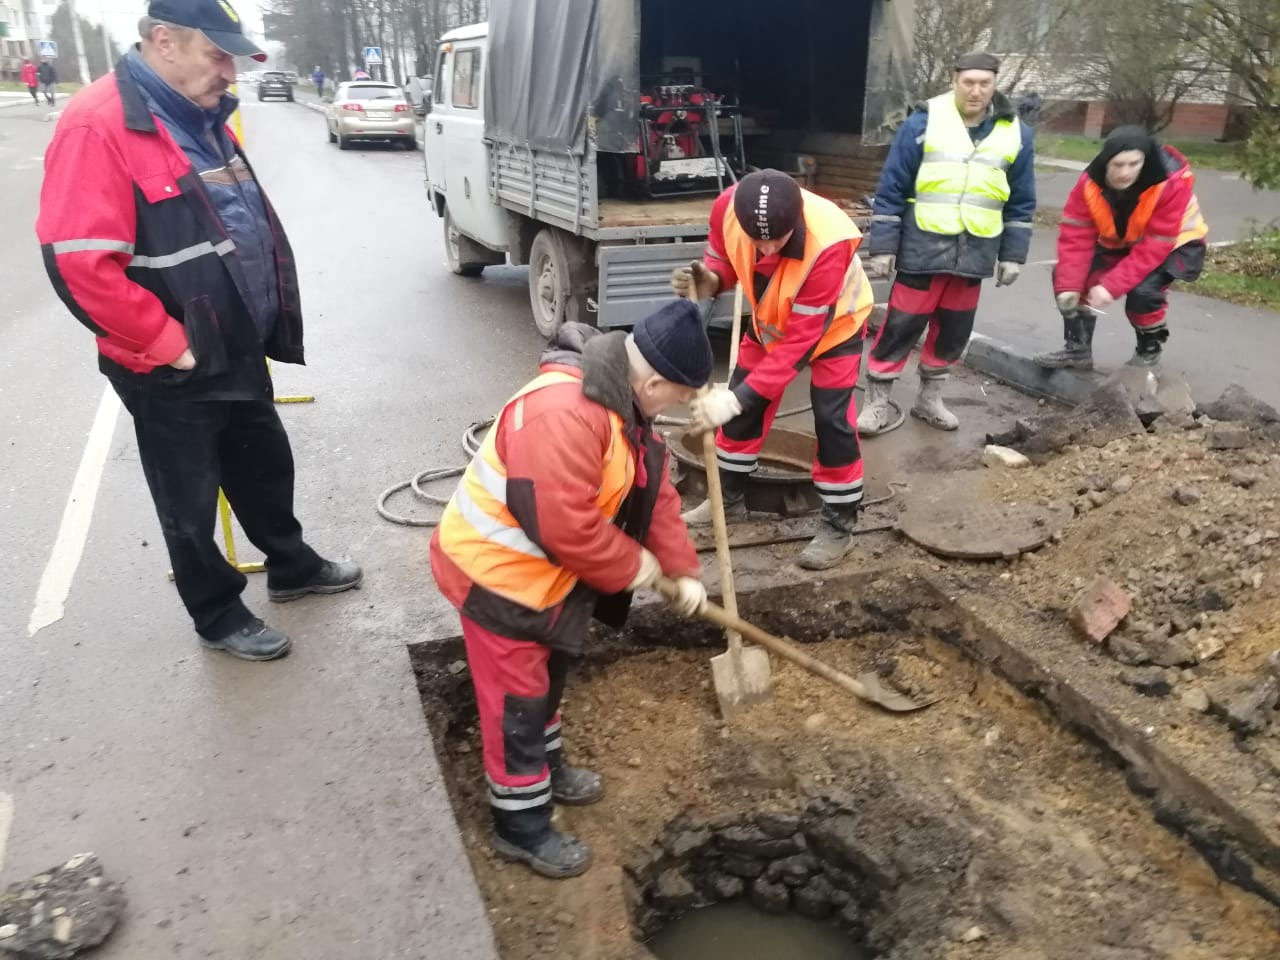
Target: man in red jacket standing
[1131,226]
[565,510]
[31,80]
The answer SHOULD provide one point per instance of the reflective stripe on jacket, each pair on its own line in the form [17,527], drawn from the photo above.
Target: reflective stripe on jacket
[825,225]
[479,533]
[1193,225]
[962,187]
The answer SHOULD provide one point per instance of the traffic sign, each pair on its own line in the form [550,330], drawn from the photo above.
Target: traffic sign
[372,55]
[49,48]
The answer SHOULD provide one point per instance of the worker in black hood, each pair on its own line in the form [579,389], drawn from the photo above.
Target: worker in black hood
[1131,226]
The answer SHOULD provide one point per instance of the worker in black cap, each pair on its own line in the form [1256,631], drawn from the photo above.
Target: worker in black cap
[954,204]
[794,254]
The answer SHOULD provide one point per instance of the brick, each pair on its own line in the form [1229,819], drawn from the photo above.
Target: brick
[1099,609]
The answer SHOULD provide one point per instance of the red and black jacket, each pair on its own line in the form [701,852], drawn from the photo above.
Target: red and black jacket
[137,252]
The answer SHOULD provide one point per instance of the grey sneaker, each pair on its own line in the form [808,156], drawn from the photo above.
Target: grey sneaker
[255,641]
[554,854]
[331,578]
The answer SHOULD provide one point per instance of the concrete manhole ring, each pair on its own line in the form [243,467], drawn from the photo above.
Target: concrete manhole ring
[965,530]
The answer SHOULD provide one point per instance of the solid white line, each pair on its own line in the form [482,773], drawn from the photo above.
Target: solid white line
[55,582]
[6,821]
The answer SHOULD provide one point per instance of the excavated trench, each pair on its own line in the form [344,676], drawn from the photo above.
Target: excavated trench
[999,822]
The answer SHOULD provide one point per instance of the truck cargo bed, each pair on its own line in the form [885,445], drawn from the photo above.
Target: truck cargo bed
[655,212]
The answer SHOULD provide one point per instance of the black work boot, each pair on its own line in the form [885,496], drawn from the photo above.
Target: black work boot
[733,488]
[331,578]
[1149,348]
[574,786]
[834,539]
[254,641]
[526,836]
[1077,346]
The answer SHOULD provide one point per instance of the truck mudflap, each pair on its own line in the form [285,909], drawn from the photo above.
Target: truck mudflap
[636,279]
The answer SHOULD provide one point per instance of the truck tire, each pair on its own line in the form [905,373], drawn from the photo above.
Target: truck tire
[459,251]
[559,278]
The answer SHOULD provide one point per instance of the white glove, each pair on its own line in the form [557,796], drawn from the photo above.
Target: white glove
[692,597]
[650,570]
[883,264]
[694,281]
[1068,301]
[713,409]
[1006,272]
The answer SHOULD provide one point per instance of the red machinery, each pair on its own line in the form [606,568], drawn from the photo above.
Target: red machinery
[679,144]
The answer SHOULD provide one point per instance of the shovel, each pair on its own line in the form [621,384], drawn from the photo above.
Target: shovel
[866,686]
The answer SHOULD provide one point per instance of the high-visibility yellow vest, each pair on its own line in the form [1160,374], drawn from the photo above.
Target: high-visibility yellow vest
[825,225]
[962,187]
[478,532]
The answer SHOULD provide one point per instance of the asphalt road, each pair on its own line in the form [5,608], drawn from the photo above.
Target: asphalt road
[281,810]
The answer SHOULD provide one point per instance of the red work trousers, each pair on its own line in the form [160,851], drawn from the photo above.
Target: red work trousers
[518,687]
[837,469]
[943,302]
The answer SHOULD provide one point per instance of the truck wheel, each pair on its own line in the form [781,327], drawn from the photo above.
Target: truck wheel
[557,290]
[458,250]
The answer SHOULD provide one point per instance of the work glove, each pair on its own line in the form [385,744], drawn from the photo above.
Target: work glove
[713,409]
[648,574]
[691,598]
[1006,272]
[882,264]
[1068,302]
[695,281]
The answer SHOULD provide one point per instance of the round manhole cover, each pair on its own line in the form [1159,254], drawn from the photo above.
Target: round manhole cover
[967,530]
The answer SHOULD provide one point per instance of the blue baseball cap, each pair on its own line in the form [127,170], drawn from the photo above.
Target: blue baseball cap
[216,19]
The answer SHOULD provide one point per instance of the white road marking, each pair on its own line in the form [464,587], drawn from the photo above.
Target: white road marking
[55,582]
[6,821]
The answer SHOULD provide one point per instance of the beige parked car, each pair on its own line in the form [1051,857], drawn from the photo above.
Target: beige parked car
[370,110]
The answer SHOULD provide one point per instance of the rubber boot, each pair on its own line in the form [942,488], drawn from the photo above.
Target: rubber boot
[834,539]
[733,490]
[573,786]
[877,414]
[1077,345]
[929,406]
[1149,348]
[526,836]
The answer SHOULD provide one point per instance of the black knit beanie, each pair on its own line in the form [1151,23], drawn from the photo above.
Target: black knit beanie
[768,204]
[675,343]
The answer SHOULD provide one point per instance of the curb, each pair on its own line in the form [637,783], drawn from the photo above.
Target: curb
[1002,362]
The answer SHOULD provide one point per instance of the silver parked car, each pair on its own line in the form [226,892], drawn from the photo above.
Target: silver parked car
[370,110]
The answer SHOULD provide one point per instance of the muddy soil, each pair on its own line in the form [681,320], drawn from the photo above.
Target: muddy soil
[989,813]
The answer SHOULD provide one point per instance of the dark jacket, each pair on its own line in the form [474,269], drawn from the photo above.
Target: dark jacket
[893,225]
[47,73]
[135,248]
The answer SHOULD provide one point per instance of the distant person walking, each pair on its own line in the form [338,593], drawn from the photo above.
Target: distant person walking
[48,81]
[31,80]
[317,77]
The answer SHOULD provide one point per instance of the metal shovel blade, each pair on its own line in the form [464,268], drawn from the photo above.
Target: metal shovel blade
[739,689]
[876,691]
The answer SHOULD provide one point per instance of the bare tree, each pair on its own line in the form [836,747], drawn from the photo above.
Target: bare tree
[945,29]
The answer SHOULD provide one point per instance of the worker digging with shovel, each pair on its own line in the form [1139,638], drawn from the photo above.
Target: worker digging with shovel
[793,252]
[565,511]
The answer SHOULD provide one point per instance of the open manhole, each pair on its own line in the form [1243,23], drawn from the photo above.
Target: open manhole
[977,828]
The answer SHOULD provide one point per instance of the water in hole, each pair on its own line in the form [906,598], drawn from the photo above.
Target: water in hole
[738,931]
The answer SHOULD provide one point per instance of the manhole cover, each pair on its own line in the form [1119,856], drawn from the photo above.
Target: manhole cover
[966,528]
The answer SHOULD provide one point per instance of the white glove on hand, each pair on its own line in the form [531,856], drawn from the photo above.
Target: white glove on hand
[693,595]
[650,570]
[713,409]
[1006,272]
[883,264]
[1068,302]
[695,281]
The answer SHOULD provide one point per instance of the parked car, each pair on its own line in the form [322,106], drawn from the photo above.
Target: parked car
[275,83]
[370,110]
[293,76]
[418,90]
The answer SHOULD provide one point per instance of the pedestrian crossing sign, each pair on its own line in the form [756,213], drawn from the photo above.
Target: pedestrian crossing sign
[49,48]
[372,55]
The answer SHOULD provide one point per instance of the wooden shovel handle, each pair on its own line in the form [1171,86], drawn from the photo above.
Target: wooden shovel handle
[724,560]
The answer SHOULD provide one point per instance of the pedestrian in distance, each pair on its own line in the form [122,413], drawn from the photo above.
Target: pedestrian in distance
[360,75]
[317,78]
[31,80]
[954,204]
[565,511]
[794,254]
[48,77]
[159,239]
[1131,226]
